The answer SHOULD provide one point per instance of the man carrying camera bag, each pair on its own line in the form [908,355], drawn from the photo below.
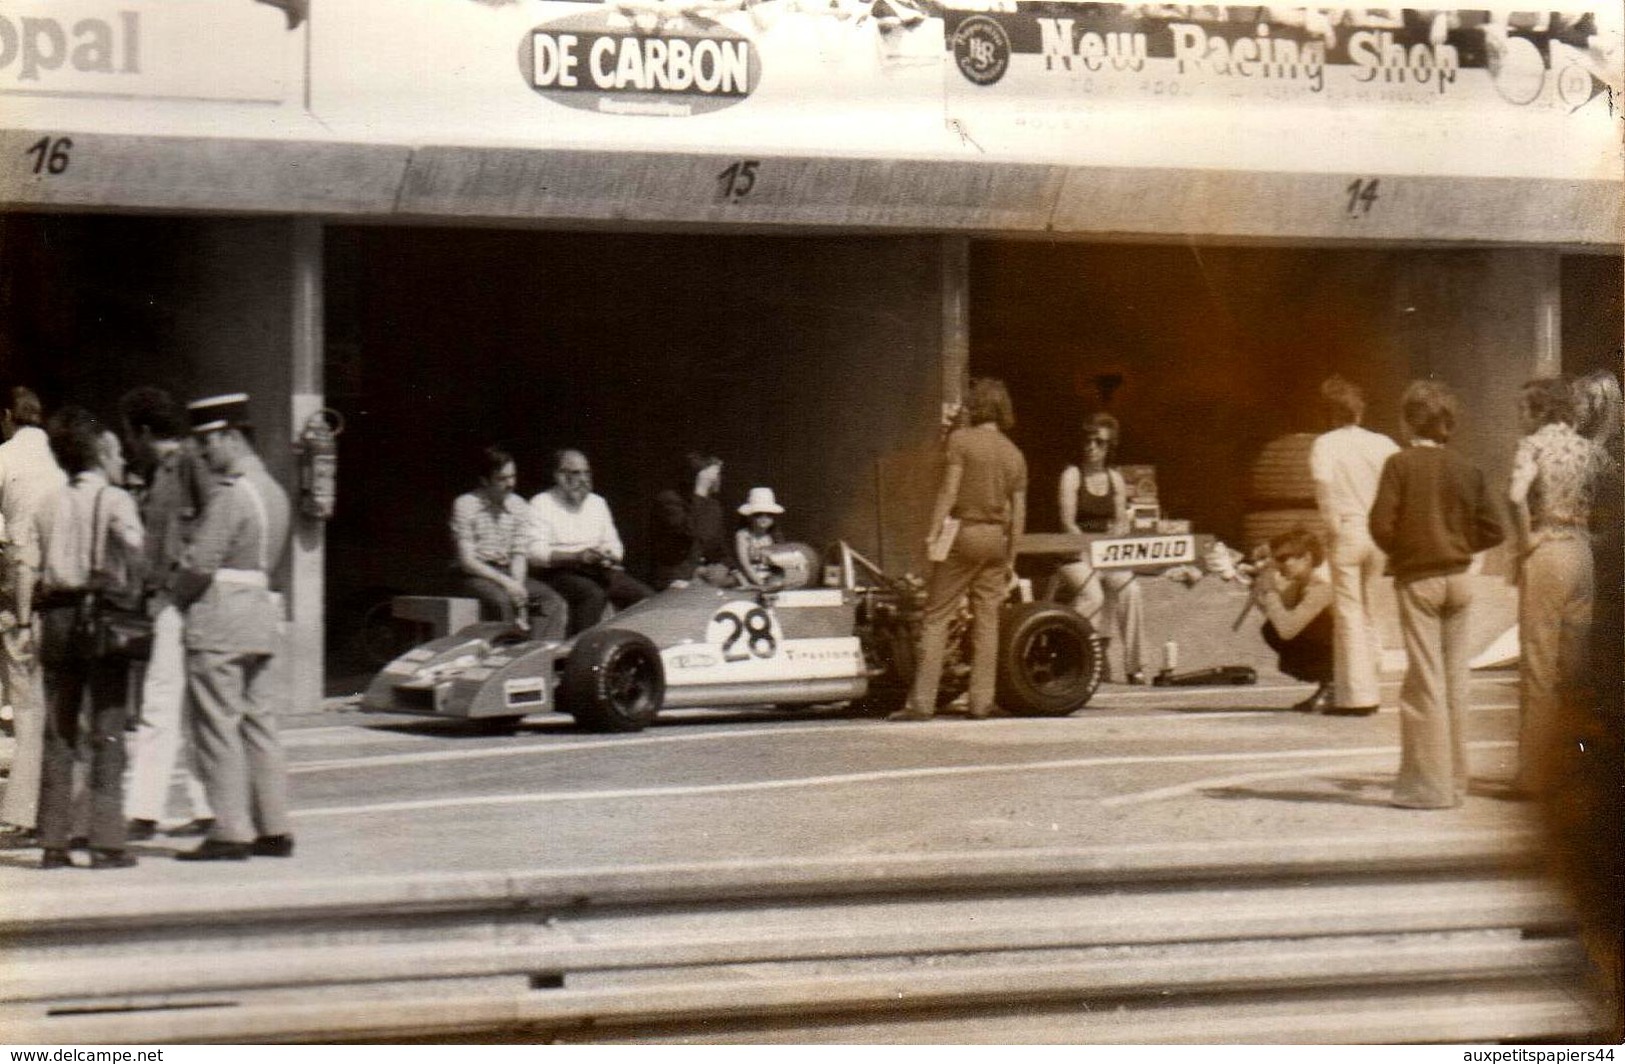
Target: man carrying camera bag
[86,545]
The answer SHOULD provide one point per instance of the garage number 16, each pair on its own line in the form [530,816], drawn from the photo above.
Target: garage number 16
[744,631]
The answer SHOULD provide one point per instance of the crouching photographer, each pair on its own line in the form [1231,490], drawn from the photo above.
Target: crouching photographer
[1294,592]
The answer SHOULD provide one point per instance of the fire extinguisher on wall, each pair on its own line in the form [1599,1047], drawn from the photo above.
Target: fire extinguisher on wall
[318,451]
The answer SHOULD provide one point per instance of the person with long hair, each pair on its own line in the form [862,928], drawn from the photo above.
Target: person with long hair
[1584,826]
[686,524]
[1597,417]
[757,536]
[1555,472]
[1093,497]
[1432,513]
[982,494]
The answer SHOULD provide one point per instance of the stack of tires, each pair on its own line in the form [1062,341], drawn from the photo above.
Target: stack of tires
[1281,491]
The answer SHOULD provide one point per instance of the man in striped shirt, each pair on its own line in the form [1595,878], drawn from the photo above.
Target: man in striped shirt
[491,531]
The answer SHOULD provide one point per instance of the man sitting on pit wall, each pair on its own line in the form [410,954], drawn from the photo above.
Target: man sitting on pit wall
[490,533]
[575,548]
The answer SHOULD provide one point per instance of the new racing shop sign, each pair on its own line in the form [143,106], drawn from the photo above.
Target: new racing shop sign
[1102,52]
[613,63]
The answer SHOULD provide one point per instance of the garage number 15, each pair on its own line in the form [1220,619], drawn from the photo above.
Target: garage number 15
[744,631]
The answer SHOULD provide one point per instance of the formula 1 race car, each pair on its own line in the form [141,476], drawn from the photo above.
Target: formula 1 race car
[795,643]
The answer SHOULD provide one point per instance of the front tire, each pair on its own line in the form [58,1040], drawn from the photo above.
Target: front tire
[1050,660]
[613,681]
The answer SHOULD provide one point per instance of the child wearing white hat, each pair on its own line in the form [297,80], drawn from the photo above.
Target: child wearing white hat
[757,536]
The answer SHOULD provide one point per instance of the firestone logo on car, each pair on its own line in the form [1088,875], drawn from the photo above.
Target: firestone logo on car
[599,61]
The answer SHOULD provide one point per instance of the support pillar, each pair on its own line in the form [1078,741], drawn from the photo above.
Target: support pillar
[306,561]
[955,320]
[1547,271]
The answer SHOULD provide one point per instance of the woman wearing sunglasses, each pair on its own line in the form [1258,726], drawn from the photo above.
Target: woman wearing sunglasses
[1094,498]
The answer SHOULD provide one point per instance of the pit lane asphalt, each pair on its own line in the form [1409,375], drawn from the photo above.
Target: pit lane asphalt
[394,796]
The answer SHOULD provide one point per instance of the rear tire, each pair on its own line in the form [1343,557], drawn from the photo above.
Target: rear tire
[1050,660]
[381,637]
[890,648]
[613,681]
[893,648]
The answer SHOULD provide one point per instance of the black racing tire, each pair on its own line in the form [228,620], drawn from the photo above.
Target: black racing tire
[890,648]
[613,681]
[380,637]
[1050,660]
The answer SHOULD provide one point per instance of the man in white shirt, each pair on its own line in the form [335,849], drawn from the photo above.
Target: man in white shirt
[29,474]
[1346,464]
[575,548]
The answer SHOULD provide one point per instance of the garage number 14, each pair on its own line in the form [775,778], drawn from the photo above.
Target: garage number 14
[744,631]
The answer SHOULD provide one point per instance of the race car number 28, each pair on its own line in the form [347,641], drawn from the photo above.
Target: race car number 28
[743,630]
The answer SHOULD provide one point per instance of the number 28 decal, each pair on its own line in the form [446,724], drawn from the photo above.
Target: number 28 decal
[744,630]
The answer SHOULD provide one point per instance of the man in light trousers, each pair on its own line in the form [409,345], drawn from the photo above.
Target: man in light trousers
[177,486]
[232,633]
[28,476]
[1346,464]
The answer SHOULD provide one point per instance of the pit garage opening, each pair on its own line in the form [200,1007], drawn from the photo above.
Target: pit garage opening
[1211,357]
[815,365]
[810,365]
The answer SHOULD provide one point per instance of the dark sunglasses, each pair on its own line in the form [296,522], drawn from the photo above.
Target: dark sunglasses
[1097,441]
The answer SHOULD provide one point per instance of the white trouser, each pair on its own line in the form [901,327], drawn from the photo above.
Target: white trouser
[25,688]
[156,743]
[1356,563]
[1110,601]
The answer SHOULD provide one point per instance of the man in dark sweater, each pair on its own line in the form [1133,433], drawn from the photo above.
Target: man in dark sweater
[1432,513]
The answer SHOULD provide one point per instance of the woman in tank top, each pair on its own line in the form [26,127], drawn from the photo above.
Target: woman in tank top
[1094,498]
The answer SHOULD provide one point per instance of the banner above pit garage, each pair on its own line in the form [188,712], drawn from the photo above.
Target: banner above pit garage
[1403,90]
[1447,92]
[1056,87]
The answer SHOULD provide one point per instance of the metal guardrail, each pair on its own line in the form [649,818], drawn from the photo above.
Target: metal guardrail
[1269,951]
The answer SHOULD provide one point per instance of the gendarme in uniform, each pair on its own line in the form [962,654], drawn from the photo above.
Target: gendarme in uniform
[232,632]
